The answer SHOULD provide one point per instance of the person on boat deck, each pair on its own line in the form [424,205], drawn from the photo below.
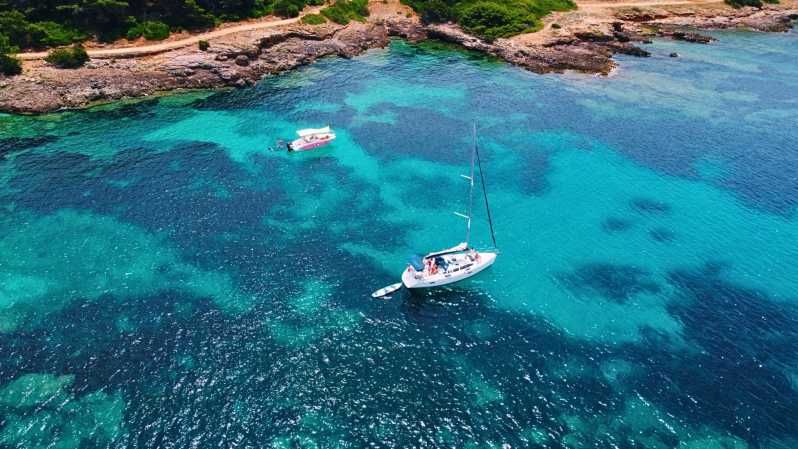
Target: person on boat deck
[473,255]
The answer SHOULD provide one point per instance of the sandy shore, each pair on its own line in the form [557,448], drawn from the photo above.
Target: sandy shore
[240,54]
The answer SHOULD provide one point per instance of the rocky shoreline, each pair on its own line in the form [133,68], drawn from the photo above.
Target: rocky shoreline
[573,44]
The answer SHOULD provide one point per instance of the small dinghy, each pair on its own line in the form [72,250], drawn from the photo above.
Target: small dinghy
[385,291]
[312,138]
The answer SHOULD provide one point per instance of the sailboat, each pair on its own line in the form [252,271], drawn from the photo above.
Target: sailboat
[460,261]
[453,264]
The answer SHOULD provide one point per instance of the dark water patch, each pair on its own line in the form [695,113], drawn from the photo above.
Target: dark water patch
[446,142]
[281,94]
[191,373]
[615,224]
[618,283]
[735,382]
[49,181]
[493,97]
[483,388]
[650,206]
[765,179]
[762,322]
[207,204]
[536,165]
[10,145]
[432,192]
[125,111]
[758,173]
[196,183]
[341,118]
[662,235]
[409,62]
[776,90]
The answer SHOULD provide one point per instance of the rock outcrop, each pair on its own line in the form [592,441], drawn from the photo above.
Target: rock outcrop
[224,65]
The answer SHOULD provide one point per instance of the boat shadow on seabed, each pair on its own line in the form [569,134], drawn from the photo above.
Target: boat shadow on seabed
[449,302]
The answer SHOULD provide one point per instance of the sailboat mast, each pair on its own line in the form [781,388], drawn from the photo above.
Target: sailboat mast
[484,190]
[471,188]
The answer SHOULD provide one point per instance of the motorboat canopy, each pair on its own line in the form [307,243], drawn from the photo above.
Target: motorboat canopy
[311,131]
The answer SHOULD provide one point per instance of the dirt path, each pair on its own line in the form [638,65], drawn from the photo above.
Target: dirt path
[643,3]
[166,46]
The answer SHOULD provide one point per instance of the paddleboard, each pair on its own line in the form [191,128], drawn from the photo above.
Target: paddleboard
[386,290]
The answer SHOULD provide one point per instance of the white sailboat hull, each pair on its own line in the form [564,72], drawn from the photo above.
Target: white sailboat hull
[460,268]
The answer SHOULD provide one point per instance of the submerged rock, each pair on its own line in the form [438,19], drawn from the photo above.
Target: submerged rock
[34,389]
[691,37]
[38,411]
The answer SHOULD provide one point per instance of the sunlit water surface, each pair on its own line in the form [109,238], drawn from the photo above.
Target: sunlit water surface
[167,281]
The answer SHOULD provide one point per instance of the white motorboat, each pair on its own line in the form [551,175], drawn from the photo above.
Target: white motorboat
[459,262]
[311,138]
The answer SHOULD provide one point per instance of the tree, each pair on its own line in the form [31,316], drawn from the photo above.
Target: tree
[491,20]
[9,65]
[152,30]
[106,18]
[15,27]
[68,57]
[436,11]
[288,8]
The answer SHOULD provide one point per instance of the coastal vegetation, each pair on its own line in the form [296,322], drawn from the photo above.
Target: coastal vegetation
[344,11]
[68,57]
[490,19]
[9,65]
[291,8]
[754,3]
[313,19]
[152,30]
[36,24]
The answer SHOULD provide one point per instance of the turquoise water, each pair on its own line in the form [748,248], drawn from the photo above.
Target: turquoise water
[168,281]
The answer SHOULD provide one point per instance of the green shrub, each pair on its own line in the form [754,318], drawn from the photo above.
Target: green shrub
[288,8]
[436,11]
[556,26]
[26,34]
[51,34]
[15,27]
[68,57]
[754,3]
[314,19]
[204,45]
[151,30]
[6,46]
[490,19]
[9,65]
[344,11]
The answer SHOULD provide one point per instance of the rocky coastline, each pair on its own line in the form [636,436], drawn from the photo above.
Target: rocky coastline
[568,42]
